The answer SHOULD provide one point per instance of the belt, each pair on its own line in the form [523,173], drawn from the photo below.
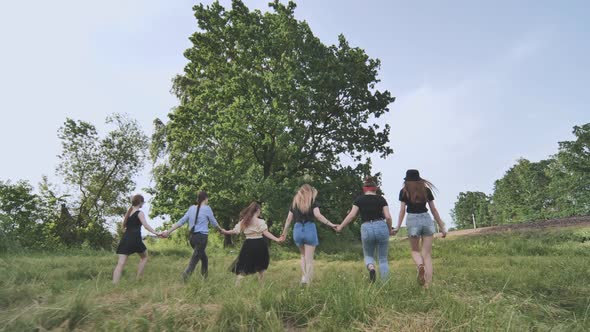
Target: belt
[374,220]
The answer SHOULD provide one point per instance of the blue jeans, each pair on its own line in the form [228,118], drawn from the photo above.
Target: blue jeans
[420,224]
[305,233]
[375,235]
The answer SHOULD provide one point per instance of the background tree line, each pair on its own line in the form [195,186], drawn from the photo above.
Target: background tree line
[556,187]
[97,176]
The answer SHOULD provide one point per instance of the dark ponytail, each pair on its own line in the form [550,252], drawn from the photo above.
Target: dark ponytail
[202,196]
[136,200]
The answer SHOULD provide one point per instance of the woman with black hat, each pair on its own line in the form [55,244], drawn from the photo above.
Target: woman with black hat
[416,193]
[375,228]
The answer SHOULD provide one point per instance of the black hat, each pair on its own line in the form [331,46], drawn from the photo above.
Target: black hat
[412,175]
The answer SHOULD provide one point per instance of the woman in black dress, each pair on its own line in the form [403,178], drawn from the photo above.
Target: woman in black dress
[131,240]
[253,257]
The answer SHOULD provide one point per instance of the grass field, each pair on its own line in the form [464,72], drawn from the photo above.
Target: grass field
[517,281]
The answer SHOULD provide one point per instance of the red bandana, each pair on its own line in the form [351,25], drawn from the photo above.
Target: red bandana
[365,189]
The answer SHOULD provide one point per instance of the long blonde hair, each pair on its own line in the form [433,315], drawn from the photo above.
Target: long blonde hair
[304,197]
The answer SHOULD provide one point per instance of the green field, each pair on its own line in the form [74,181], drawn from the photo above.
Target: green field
[526,280]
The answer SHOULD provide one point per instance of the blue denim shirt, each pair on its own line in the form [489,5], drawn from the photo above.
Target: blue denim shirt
[205,217]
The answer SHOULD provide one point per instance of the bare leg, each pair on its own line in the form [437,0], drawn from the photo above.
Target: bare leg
[415,245]
[309,252]
[303,276]
[239,279]
[261,276]
[119,268]
[427,256]
[143,258]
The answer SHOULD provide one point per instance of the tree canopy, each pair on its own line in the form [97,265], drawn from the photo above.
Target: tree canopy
[264,106]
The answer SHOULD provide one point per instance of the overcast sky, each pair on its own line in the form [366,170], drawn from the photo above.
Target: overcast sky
[478,84]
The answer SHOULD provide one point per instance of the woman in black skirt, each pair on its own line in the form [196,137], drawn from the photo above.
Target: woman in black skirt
[131,240]
[253,256]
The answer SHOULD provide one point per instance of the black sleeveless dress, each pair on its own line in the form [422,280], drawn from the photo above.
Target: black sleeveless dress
[131,240]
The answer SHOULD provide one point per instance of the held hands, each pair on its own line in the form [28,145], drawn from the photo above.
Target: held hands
[393,232]
[444,233]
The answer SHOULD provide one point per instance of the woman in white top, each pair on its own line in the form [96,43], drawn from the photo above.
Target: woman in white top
[254,257]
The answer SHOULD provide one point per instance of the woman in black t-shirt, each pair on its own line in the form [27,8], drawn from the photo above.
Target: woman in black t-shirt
[414,196]
[375,229]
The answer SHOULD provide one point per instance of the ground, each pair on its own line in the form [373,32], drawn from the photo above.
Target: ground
[523,279]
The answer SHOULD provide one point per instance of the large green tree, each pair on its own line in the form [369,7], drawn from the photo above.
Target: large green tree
[265,106]
[469,205]
[522,194]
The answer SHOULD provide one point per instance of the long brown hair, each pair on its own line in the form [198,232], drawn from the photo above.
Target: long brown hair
[304,197]
[248,214]
[136,200]
[416,191]
[202,196]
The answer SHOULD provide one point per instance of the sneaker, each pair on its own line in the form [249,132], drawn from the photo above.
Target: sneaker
[421,277]
[303,282]
[372,275]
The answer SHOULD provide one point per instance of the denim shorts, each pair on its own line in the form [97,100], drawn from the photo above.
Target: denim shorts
[305,233]
[420,224]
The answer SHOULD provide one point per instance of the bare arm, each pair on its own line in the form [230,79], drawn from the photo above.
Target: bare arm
[146,225]
[181,222]
[388,219]
[402,214]
[236,230]
[287,223]
[321,218]
[350,217]
[441,224]
[270,236]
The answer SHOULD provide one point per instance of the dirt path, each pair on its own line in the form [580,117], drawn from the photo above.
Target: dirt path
[562,222]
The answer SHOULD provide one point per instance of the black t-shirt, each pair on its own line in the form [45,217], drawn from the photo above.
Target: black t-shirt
[371,207]
[301,216]
[418,207]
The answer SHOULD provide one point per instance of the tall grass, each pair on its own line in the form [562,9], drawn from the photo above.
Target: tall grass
[534,280]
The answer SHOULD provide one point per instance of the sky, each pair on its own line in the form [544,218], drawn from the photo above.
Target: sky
[478,84]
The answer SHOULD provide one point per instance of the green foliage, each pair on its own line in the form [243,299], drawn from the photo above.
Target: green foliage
[570,174]
[552,188]
[264,107]
[99,174]
[522,194]
[19,216]
[472,204]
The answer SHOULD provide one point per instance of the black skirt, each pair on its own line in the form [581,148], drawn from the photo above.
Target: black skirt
[253,257]
[131,243]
